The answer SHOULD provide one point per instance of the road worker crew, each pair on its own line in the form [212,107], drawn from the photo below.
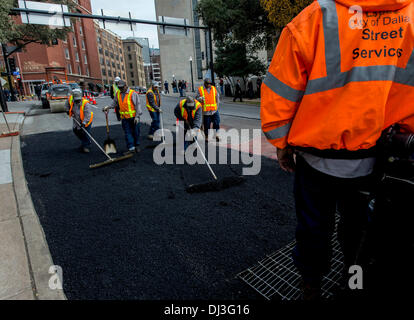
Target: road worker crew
[209,98]
[80,109]
[189,111]
[154,108]
[127,101]
[336,81]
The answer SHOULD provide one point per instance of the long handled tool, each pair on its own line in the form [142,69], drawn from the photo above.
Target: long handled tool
[216,184]
[10,133]
[109,144]
[162,128]
[110,160]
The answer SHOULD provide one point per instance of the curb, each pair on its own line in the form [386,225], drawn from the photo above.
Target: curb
[38,254]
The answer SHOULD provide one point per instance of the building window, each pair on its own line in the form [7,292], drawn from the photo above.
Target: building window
[118,66]
[102,61]
[69,68]
[106,53]
[87,71]
[79,70]
[132,74]
[86,59]
[100,51]
[110,73]
[122,60]
[99,40]
[74,41]
[123,68]
[129,48]
[113,64]
[80,30]
[77,56]
[108,63]
[133,83]
[130,66]
[120,50]
[129,57]
[112,55]
[83,44]
[104,72]
[67,53]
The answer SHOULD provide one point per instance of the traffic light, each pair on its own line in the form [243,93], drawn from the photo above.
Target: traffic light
[12,65]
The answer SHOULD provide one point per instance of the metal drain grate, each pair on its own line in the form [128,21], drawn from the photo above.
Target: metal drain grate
[276,274]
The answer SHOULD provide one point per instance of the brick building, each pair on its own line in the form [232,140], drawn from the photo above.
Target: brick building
[111,58]
[78,55]
[134,63]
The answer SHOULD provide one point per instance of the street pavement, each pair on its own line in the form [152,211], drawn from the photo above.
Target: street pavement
[131,231]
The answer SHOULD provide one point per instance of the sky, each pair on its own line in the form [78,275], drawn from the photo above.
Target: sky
[140,9]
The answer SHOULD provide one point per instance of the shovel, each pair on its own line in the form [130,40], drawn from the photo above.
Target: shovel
[109,144]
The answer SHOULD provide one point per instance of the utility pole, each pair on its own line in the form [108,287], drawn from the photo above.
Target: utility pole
[210,41]
[6,62]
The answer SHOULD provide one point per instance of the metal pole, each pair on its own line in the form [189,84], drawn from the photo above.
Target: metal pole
[210,41]
[5,56]
[192,78]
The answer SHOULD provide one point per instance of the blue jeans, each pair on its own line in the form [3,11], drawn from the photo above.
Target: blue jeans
[83,137]
[131,131]
[208,120]
[155,124]
[317,197]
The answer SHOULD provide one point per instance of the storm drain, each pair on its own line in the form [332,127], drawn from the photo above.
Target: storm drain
[277,276]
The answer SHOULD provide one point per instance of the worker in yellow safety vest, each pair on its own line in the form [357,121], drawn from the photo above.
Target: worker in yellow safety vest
[209,98]
[128,105]
[153,98]
[80,109]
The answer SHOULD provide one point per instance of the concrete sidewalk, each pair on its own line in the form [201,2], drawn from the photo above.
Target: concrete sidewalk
[24,255]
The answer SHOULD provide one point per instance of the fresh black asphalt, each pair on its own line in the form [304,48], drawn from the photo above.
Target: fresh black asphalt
[131,231]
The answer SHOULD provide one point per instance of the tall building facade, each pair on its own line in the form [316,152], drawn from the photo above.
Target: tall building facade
[77,56]
[178,46]
[111,55]
[134,63]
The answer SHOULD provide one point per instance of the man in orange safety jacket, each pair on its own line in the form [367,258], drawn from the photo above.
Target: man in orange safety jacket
[341,74]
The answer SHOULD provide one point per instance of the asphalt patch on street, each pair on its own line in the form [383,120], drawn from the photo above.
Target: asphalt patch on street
[130,230]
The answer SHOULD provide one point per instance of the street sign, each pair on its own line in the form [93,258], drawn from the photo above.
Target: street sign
[56,20]
[3,82]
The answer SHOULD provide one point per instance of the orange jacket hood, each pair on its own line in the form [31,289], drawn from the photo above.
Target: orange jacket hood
[376,5]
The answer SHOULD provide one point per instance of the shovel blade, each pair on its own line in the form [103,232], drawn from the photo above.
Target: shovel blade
[109,146]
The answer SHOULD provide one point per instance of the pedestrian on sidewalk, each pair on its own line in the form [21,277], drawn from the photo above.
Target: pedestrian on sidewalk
[191,112]
[222,86]
[154,108]
[259,86]
[180,88]
[38,91]
[209,98]
[127,104]
[250,89]
[238,92]
[81,110]
[167,91]
[174,86]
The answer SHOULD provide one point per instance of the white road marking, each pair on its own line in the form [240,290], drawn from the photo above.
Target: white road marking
[5,167]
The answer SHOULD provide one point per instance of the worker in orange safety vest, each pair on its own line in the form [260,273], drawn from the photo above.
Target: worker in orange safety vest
[209,97]
[341,74]
[128,104]
[80,109]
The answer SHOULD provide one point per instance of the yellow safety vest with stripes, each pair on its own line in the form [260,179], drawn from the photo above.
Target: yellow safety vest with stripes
[149,107]
[82,110]
[126,107]
[210,101]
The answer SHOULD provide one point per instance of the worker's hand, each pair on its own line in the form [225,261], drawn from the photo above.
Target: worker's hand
[105,109]
[136,120]
[194,132]
[159,110]
[286,159]
[201,99]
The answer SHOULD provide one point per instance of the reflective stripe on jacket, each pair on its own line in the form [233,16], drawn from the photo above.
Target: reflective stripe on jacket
[331,86]
[126,106]
[157,103]
[184,112]
[81,111]
[210,103]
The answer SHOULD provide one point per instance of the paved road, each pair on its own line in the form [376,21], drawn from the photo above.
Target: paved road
[130,231]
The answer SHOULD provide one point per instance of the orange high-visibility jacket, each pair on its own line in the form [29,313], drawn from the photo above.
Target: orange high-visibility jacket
[210,100]
[337,81]
[82,110]
[126,106]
